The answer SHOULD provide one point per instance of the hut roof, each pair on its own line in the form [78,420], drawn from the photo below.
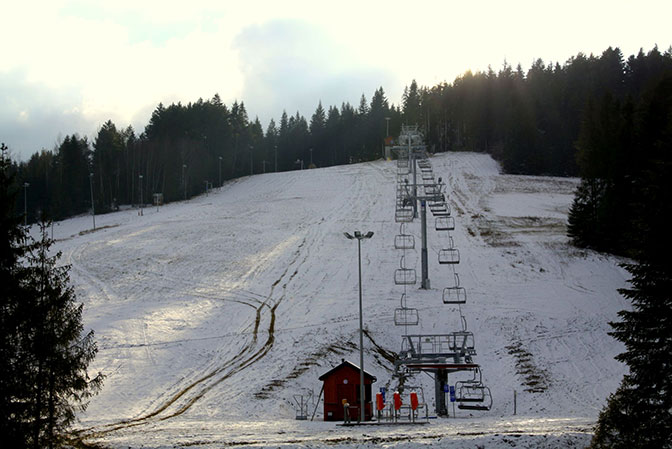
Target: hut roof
[343,364]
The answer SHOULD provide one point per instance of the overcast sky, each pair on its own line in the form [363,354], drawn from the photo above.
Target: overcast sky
[68,66]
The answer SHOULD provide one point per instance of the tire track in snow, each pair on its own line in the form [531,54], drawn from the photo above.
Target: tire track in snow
[201,386]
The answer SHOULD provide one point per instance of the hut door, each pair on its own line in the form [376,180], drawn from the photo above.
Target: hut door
[346,391]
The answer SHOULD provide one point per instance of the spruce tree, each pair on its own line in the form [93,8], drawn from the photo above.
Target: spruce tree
[14,364]
[44,352]
[639,413]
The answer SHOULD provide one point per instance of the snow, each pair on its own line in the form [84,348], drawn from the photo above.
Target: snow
[211,314]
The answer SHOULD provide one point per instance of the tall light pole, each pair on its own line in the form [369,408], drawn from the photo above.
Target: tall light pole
[276,158]
[251,162]
[25,203]
[359,236]
[140,176]
[220,171]
[311,157]
[93,207]
[184,181]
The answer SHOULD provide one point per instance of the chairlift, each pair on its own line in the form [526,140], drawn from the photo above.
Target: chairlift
[473,394]
[404,276]
[404,241]
[442,210]
[403,214]
[444,223]
[462,341]
[404,316]
[454,295]
[449,256]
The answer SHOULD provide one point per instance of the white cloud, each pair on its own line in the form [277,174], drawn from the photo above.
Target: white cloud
[118,60]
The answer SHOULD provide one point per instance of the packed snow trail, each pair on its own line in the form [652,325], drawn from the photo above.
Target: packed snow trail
[220,308]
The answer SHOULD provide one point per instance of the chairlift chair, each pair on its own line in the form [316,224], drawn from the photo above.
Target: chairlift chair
[441,211]
[449,256]
[444,223]
[403,215]
[403,170]
[454,295]
[473,396]
[404,241]
[404,276]
[406,316]
[462,341]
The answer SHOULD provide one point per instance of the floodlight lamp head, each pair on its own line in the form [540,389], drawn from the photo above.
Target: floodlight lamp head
[369,235]
[348,236]
[358,235]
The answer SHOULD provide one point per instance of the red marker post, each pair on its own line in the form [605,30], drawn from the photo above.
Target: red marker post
[414,404]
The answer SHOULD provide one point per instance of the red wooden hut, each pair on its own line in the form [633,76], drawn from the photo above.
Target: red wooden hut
[342,382]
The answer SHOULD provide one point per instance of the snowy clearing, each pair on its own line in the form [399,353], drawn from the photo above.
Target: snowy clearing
[211,314]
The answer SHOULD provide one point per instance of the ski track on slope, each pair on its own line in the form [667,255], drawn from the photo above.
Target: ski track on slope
[249,355]
[254,289]
[206,383]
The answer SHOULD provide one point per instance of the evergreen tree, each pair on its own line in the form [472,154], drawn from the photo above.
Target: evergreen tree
[411,105]
[639,413]
[317,121]
[43,377]
[13,413]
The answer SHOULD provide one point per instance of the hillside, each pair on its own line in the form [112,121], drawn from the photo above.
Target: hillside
[211,314]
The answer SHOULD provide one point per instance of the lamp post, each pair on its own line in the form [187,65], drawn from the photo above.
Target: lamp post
[184,181]
[251,162]
[359,236]
[140,176]
[311,158]
[93,207]
[276,158]
[25,203]
[220,172]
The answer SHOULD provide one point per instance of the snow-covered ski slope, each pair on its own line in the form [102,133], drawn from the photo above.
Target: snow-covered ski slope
[211,314]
